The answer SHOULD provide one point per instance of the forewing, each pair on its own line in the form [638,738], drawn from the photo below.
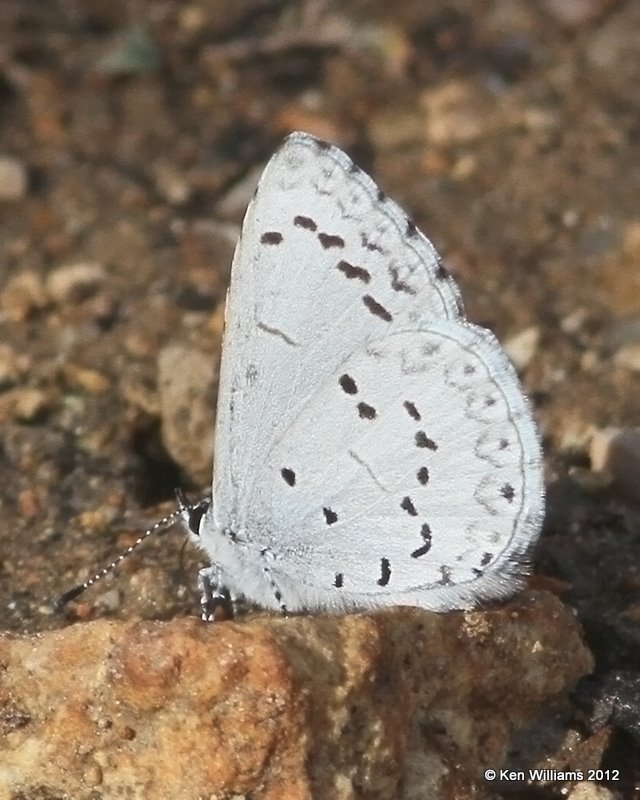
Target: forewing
[324,264]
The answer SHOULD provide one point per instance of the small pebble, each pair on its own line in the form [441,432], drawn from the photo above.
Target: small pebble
[573,13]
[93,775]
[12,366]
[13,179]
[86,378]
[588,790]
[522,347]
[172,184]
[74,282]
[29,404]
[23,294]
[616,452]
[186,389]
[574,321]
[628,357]
[451,114]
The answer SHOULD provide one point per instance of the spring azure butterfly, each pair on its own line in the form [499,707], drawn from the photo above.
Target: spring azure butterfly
[372,447]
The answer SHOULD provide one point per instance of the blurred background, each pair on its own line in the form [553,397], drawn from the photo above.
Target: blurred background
[131,139]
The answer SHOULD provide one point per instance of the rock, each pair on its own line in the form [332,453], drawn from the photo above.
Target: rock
[587,790]
[133,53]
[616,452]
[398,704]
[575,321]
[575,13]
[612,50]
[30,404]
[85,378]
[451,113]
[14,181]
[234,203]
[74,282]
[621,340]
[186,380]
[611,699]
[628,357]
[522,347]
[171,183]
[23,295]
[23,404]
[13,366]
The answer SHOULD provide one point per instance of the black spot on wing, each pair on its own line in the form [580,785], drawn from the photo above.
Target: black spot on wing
[271,237]
[407,505]
[423,476]
[351,271]
[412,411]
[442,273]
[486,558]
[508,492]
[327,240]
[347,384]
[385,572]
[396,284]
[412,229]
[425,532]
[376,309]
[371,246]
[338,580]
[289,476]
[422,440]
[445,580]
[330,516]
[366,411]
[305,222]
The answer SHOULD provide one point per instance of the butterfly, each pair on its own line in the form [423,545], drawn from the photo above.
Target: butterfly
[372,446]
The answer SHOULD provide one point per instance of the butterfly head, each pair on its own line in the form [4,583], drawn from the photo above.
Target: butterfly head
[192,514]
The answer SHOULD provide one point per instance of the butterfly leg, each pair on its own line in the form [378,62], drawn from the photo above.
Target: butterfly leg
[213,594]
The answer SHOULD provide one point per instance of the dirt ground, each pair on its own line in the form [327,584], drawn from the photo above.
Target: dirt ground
[131,137]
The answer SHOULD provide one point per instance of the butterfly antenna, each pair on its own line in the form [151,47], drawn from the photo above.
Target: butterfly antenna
[160,525]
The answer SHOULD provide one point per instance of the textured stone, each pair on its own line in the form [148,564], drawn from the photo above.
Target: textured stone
[186,380]
[14,180]
[73,282]
[616,452]
[397,704]
[22,296]
[522,347]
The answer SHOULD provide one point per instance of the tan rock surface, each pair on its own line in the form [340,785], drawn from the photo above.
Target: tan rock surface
[400,704]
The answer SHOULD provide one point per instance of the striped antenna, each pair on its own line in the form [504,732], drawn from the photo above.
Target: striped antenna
[162,524]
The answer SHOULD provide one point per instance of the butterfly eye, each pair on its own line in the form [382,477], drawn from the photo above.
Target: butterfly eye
[192,514]
[195,514]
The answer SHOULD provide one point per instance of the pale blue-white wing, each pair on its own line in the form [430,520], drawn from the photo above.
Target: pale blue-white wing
[325,263]
[412,475]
